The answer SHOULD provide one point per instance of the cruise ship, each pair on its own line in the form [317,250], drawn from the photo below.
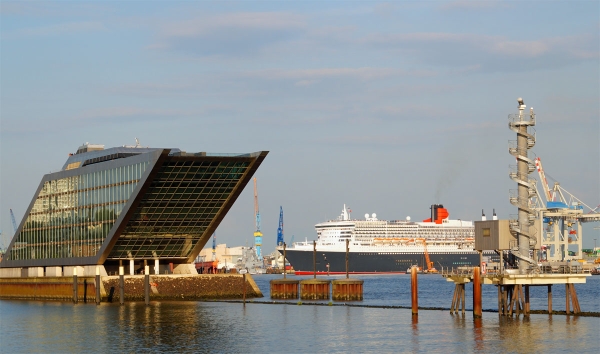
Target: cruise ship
[380,246]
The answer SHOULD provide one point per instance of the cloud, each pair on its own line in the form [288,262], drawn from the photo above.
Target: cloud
[229,34]
[473,5]
[131,113]
[486,52]
[310,77]
[45,9]
[60,29]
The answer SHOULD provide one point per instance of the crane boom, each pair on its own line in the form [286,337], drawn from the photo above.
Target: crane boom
[280,228]
[540,169]
[430,268]
[257,233]
[12,218]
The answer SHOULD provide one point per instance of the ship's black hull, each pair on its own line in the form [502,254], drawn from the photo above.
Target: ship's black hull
[359,262]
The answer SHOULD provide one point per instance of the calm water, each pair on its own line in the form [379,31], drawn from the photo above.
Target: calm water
[221,327]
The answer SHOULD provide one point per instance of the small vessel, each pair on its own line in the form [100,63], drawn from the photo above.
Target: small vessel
[249,262]
[380,246]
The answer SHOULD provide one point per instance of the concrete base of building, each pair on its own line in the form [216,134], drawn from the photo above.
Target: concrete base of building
[185,269]
[54,271]
[162,287]
[67,271]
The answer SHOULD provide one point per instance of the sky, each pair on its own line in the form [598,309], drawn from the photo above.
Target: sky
[386,107]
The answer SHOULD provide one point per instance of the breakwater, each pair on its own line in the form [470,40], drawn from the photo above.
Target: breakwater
[163,287]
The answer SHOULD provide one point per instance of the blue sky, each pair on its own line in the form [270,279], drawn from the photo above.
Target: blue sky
[386,107]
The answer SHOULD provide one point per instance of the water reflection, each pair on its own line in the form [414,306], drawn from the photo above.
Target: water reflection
[478,334]
[257,328]
[415,334]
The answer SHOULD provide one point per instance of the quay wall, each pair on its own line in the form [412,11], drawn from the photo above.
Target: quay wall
[162,287]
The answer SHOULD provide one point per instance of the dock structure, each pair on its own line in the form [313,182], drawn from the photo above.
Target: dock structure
[129,205]
[513,289]
[520,240]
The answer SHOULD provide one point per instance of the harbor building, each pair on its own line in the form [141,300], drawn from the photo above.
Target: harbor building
[128,205]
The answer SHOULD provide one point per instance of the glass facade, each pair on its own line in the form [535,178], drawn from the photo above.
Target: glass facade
[129,203]
[72,216]
[183,199]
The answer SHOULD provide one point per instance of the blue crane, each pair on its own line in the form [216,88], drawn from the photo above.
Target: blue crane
[257,234]
[280,228]
[12,218]
[214,248]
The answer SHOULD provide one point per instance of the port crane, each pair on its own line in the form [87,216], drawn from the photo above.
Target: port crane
[430,267]
[214,247]
[14,223]
[280,228]
[257,234]
[560,218]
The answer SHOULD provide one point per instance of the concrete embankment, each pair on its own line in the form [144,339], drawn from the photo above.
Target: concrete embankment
[162,287]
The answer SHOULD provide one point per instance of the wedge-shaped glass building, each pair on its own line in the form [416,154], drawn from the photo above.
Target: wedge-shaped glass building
[129,203]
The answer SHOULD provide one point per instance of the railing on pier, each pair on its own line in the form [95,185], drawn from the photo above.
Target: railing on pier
[555,268]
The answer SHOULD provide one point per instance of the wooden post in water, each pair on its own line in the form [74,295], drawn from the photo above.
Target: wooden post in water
[146,283]
[75,284]
[476,292]
[244,279]
[97,285]
[284,268]
[550,299]
[315,258]
[567,289]
[462,292]
[347,251]
[414,291]
[527,307]
[121,284]
[453,299]
[574,300]
[499,299]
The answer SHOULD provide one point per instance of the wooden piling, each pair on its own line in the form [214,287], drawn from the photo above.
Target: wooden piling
[414,291]
[462,292]
[527,304]
[121,285]
[147,284]
[244,279]
[567,290]
[454,297]
[315,259]
[347,252]
[499,300]
[97,285]
[477,311]
[284,288]
[75,285]
[550,299]
[574,297]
